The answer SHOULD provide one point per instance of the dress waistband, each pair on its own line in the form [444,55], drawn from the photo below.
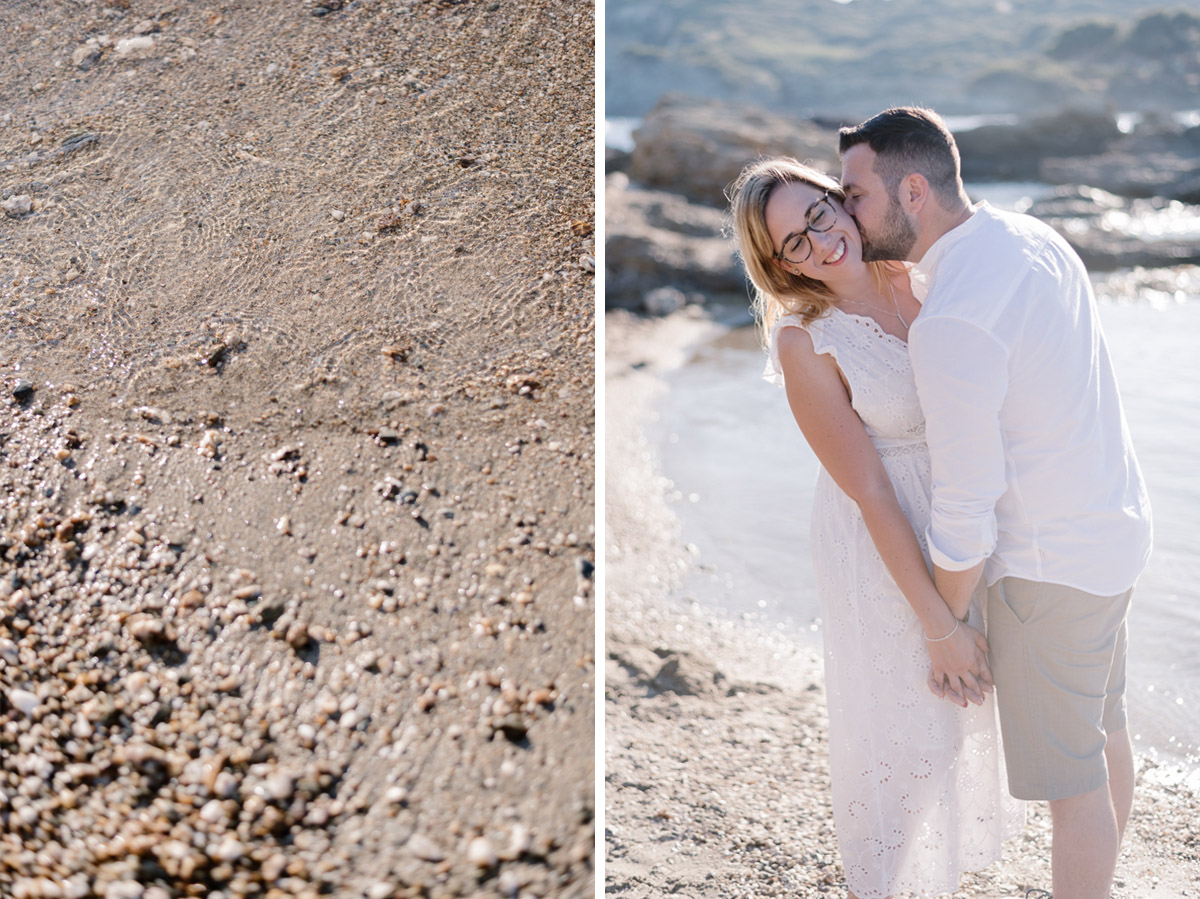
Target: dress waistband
[898,446]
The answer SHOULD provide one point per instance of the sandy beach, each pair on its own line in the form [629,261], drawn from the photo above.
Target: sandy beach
[716,761]
[297,449]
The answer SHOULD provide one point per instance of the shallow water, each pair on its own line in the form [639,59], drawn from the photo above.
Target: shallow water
[741,480]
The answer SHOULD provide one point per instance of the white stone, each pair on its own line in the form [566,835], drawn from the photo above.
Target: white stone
[481,853]
[17,205]
[228,850]
[132,44]
[25,702]
[424,848]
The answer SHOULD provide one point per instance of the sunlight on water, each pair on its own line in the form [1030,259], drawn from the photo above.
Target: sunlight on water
[1128,121]
[1158,287]
[1154,220]
[1016,196]
[618,132]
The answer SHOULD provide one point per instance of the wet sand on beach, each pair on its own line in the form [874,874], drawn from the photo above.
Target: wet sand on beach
[297,449]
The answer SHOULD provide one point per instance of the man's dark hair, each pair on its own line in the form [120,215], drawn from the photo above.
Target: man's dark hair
[909,139]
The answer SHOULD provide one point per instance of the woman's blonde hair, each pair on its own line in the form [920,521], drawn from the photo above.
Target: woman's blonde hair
[777,292]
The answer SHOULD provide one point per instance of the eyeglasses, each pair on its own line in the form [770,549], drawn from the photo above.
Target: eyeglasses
[797,247]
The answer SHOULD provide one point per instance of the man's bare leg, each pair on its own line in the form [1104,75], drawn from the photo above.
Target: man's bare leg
[1086,839]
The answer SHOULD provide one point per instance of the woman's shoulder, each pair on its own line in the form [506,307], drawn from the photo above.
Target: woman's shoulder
[797,331]
[786,332]
[803,323]
[798,339]
[788,321]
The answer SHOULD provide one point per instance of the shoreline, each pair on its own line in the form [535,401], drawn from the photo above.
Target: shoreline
[716,765]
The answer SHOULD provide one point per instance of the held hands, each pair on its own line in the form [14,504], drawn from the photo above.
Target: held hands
[959,666]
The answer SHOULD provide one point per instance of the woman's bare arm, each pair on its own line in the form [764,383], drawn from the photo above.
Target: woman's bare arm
[820,403]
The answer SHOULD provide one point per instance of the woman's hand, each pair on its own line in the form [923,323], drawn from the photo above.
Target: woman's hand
[959,667]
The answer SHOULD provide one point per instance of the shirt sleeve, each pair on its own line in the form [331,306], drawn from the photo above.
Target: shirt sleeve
[962,378]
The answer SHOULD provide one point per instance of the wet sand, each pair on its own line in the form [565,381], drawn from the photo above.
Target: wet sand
[716,763]
[297,449]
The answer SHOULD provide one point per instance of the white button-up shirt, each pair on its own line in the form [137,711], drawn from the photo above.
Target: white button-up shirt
[1033,468]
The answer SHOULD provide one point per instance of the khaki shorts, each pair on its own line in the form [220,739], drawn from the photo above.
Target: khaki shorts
[1058,657]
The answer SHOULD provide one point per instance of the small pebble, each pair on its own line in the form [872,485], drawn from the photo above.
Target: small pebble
[24,701]
[133,44]
[481,853]
[18,205]
[424,848]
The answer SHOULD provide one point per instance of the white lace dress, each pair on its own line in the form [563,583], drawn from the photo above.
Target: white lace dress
[919,788]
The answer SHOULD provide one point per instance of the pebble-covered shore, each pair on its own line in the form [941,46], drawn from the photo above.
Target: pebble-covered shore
[176,720]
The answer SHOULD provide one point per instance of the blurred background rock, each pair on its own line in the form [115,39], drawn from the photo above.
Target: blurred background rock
[1088,109]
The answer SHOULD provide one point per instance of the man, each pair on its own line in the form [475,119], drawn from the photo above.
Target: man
[1035,483]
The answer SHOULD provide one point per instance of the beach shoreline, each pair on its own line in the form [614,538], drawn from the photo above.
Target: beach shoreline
[716,764]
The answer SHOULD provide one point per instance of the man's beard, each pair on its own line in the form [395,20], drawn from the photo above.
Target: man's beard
[896,240]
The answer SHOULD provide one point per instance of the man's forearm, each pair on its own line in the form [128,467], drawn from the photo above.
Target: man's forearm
[957,587]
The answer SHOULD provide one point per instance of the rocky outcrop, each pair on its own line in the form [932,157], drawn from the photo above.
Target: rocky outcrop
[696,147]
[980,57]
[1016,152]
[656,239]
[1129,174]
[1156,158]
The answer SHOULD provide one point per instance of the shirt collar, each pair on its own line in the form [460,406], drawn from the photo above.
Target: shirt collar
[929,262]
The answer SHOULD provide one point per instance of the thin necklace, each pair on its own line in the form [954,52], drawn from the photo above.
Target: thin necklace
[895,305]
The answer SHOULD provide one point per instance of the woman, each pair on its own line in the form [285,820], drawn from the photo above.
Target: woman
[919,788]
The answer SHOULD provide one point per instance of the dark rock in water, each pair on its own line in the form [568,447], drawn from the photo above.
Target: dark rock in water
[22,390]
[1187,189]
[657,239]
[697,147]
[616,160]
[1158,158]
[1016,152]
[1130,171]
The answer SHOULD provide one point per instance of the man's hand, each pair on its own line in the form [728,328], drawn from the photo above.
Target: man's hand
[959,667]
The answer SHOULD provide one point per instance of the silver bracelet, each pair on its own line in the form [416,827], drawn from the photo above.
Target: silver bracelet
[953,631]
